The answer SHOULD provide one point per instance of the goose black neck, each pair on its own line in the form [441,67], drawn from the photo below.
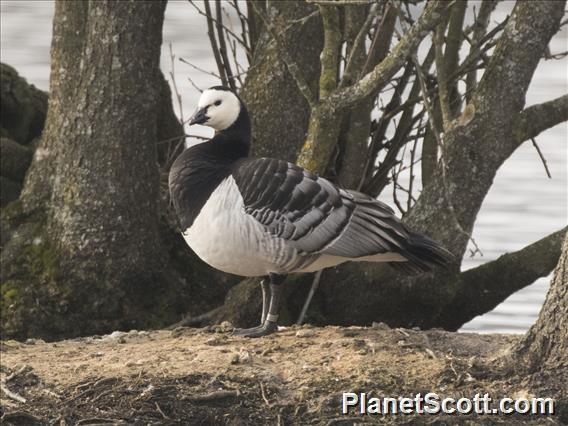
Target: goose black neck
[234,141]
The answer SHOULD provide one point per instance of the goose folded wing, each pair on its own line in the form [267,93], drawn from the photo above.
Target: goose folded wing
[312,214]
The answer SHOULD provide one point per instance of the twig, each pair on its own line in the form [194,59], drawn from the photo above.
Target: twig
[412,154]
[21,417]
[185,61]
[161,412]
[214,396]
[479,29]
[357,43]
[548,55]
[95,420]
[16,373]
[238,68]
[214,45]
[541,158]
[313,288]
[394,196]
[368,179]
[263,393]
[99,396]
[92,385]
[244,28]
[195,86]
[301,21]
[213,20]
[443,80]
[340,2]
[176,91]
[12,376]
[223,46]
[195,321]
[11,394]
[388,67]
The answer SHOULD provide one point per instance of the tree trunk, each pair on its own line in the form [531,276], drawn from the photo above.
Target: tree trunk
[476,144]
[279,112]
[89,257]
[545,346]
[105,192]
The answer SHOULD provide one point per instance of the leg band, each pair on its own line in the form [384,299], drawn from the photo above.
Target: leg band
[272,318]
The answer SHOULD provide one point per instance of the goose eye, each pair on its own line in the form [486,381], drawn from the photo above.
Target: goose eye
[217,103]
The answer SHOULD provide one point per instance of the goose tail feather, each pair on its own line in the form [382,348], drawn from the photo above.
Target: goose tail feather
[423,255]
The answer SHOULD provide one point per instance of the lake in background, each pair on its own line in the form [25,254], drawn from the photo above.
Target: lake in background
[522,206]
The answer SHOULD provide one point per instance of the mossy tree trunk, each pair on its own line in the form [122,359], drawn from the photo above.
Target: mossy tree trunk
[88,256]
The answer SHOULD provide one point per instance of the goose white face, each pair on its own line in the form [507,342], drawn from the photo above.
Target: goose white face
[217,109]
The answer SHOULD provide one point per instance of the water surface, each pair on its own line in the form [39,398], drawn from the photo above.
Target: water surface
[522,206]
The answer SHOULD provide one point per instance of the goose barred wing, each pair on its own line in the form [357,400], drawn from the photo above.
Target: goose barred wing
[314,215]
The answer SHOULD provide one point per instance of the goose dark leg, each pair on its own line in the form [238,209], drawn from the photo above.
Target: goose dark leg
[269,324]
[265,286]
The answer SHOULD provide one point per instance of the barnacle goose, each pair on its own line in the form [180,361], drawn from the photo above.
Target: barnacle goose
[268,218]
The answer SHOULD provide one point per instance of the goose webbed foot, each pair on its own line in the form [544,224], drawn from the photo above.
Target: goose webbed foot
[271,292]
[265,329]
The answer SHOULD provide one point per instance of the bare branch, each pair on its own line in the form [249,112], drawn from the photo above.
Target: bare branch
[223,46]
[210,17]
[340,2]
[245,34]
[213,41]
[537,118]
[176,91]
[541,158]
[330,52]
[483,288]
[454,41]
[441,145]
[381,39]
[185,61]
[443,80]
[479,29]
[358,44]
[381,74]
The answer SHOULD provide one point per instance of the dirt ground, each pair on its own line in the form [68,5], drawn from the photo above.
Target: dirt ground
[208,377]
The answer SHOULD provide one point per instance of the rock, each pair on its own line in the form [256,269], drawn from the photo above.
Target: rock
[305,333]
[9,191]
[23,107]
[226,326]
[380,326]
[116,334]
[14,159]
[243,357]
[178,331]
[216,340]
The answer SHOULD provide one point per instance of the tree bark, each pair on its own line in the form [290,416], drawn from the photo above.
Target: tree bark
[105,191]
[89,257]
[279,112]
[545,346]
